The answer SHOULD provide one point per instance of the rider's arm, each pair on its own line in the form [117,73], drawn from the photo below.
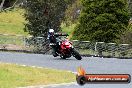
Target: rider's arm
[61,34]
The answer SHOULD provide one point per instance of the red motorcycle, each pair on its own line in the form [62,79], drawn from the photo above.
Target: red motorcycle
[66,50]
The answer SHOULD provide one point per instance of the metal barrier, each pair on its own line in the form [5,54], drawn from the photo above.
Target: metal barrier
[87,48]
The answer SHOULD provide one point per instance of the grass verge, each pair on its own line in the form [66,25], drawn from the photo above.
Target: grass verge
[12,22]
[12,76]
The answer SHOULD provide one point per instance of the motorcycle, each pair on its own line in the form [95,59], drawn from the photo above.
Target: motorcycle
[66,50]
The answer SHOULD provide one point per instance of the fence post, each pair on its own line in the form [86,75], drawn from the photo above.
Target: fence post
[111,49]
[95,47]
[99,48]
[24,41]
[123,50]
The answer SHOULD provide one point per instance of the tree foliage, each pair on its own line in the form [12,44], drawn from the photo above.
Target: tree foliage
[102,20]
[44,14]
[73,11]
[130,6]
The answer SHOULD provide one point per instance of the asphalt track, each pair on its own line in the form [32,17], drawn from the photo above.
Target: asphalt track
[92,65]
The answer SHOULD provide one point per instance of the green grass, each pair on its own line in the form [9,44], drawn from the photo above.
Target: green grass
[12,76]
[11,40]
[12,22]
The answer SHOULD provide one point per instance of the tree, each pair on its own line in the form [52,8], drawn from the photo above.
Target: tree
[130,6]
[1,5]
[7,4]
[73,11]
[44,14]
[102,20]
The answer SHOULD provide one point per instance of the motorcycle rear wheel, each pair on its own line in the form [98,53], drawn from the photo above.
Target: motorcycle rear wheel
[62,56]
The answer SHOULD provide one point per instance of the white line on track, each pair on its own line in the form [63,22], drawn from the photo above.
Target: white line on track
[51,85]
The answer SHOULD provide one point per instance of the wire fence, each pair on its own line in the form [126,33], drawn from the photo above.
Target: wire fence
[86,48]
[12,42]
[102,49]
[22,43]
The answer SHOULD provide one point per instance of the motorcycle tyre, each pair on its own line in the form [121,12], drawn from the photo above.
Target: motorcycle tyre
[76,55]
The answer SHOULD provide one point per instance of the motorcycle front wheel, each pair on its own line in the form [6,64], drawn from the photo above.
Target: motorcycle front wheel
[76,54]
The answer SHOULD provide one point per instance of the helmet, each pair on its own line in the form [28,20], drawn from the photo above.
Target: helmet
[51,31]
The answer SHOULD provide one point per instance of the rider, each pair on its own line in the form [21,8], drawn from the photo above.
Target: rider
[54,40]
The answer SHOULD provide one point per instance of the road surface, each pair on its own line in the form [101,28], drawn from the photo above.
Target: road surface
[92,65]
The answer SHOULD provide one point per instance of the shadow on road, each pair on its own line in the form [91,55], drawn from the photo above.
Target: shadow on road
[67,59]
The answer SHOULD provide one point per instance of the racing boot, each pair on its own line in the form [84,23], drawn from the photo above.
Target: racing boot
[55,54]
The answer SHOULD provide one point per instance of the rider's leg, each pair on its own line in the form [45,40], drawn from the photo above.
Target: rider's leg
[54,51]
